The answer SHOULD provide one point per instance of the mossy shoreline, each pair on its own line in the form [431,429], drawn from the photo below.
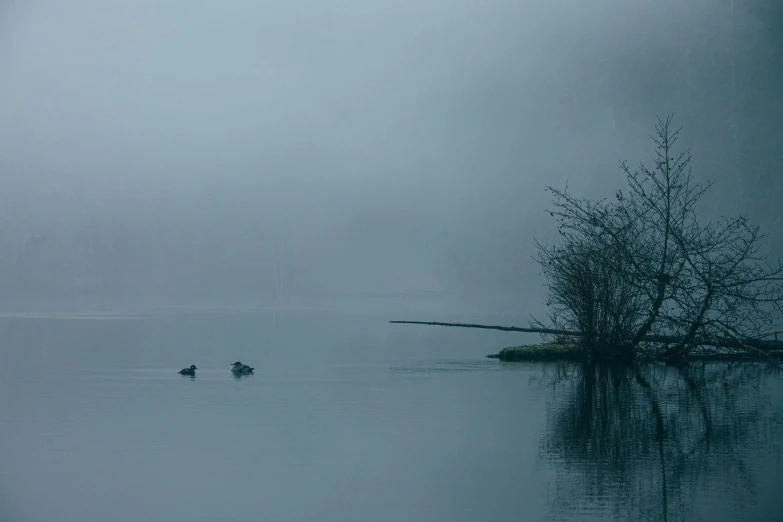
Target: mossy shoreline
[572,352]
[539,352]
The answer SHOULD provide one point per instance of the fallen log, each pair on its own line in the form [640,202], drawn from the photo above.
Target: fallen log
[665,339]
[489,327]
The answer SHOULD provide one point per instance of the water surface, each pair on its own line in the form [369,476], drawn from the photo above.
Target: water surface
[350,418]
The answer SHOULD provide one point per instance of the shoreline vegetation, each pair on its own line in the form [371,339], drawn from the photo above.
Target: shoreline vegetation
[646,275]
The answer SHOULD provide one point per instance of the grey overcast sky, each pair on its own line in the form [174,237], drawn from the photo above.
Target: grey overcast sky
[199,150]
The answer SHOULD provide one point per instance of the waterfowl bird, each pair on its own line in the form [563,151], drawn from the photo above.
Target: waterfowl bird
[241,369]
[189,371]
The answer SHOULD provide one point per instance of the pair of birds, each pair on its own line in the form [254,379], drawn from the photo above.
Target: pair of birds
[237,369]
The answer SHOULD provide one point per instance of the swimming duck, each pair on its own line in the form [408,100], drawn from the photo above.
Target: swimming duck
[241,369]
[189,371]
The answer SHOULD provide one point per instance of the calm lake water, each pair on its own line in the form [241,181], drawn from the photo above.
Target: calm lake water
[349,418]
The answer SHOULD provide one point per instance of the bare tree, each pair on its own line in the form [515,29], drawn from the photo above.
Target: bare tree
[645,264]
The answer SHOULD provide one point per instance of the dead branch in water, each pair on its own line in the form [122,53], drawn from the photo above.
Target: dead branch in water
[490,327]
[717,342]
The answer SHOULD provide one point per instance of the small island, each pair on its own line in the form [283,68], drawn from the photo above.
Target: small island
[539,352]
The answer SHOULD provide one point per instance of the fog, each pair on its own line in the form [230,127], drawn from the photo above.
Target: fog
[257,152]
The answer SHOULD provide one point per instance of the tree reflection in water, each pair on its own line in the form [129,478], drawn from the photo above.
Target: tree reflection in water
[657,442]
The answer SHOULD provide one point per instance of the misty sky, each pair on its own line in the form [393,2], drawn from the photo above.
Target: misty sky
[199,148]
